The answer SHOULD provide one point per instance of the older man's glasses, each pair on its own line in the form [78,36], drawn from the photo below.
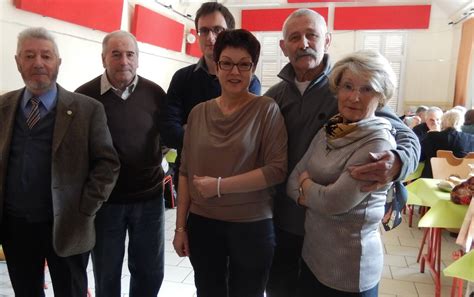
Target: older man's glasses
[364,91]
[204,31]
[227,65]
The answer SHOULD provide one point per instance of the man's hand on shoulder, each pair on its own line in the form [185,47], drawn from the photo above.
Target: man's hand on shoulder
[385,168]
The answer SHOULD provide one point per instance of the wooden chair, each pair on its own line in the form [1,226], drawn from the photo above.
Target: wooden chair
[442,169]
[452,159]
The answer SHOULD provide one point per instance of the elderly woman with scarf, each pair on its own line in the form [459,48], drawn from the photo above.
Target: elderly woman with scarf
[342,248]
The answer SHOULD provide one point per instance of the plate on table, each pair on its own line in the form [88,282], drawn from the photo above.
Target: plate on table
[445,186]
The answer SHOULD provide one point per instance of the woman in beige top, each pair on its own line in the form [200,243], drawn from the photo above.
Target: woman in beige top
[234,151]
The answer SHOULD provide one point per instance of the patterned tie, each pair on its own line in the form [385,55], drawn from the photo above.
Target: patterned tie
[34,115]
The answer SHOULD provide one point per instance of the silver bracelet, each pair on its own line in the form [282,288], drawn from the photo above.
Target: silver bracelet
[219,187]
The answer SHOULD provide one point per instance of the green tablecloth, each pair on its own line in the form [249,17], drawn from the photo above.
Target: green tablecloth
[417,173]
[462,268]
[444,214]
[171,156]
[425,192]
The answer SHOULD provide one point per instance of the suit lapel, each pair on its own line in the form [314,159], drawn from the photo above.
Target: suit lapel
[65,111]
[8,110]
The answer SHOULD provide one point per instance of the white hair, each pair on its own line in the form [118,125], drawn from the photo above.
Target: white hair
[305,12]
[36,33]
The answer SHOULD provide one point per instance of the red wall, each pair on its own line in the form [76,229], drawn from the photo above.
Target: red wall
[304,1]
[382,17]
[345,18]
[153,28]
[271,19]
[103,15]
[193,49]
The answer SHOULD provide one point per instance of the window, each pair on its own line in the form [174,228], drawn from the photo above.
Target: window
[272,59]
[393,46]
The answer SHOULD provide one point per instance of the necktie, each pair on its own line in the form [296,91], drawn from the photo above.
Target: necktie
[34,115]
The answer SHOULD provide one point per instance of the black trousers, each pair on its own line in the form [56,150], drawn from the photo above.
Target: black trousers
[26,246]
[285,268]
[230,259]
[309,286]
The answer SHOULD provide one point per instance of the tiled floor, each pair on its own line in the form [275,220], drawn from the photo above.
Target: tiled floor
[401,276]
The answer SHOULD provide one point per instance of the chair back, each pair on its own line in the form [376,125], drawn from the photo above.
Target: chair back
[442,169]
[452,159]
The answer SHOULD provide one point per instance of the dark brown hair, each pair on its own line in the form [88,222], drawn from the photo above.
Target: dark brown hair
[211,7]
[239,38]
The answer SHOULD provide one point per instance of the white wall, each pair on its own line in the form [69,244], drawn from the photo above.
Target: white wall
[80,48]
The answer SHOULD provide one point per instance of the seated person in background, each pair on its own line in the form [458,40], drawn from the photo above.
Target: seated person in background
[433,121]
[468,126]
[412,121]
[321,181]
[461,109]
[421,112]
[419,117]
[450,138]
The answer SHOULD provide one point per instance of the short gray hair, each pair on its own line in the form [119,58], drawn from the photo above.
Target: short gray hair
[434,109]
[36,33]
[421,108]
[305,12]
[118,34]
[453,118]
[371,65]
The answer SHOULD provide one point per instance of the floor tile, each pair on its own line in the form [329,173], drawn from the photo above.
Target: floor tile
[411,275]
[176,274]
[401,250]
[397,287]
[394,260]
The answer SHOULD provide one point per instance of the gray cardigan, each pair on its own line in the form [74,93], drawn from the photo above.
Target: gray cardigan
[342,244]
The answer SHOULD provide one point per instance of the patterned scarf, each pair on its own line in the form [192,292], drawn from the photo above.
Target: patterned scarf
[340,133]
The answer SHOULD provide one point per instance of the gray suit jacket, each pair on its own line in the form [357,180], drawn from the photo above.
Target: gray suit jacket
[84,167]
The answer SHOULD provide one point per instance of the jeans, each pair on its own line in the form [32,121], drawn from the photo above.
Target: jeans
[286,264]
[27,246]
[144,223]
[230,259]
[309,286]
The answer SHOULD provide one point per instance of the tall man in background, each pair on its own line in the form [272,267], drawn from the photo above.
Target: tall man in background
[57,167]
[133,106]
[307,104]
[197,83]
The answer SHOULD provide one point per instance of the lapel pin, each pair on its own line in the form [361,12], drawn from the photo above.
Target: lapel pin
[69,112]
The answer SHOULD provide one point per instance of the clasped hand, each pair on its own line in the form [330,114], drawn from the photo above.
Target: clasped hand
[206,186]
[385,168]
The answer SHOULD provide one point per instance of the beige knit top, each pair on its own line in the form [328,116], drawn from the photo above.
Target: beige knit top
[226,145]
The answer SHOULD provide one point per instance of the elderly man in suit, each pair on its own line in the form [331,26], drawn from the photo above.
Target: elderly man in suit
[57,167]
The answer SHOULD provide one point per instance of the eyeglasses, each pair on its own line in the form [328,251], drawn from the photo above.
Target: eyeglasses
[364,91]
[204,31]
[227,65]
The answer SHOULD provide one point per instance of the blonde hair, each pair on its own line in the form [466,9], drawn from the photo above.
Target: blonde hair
[452,119]
[371,65]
